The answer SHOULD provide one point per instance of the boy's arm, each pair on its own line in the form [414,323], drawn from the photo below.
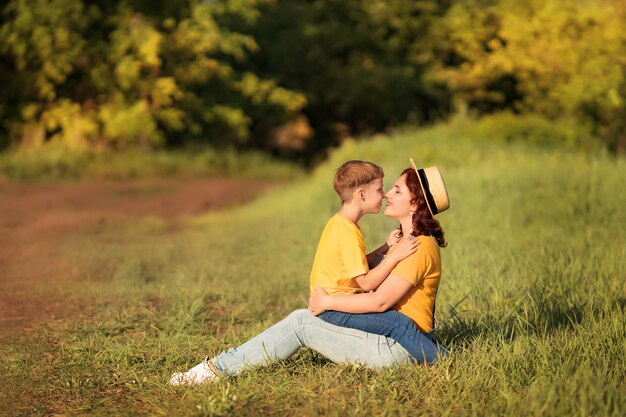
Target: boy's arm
[374,256]
[374,277]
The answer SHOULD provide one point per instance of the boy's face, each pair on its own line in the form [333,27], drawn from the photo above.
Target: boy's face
[373,196]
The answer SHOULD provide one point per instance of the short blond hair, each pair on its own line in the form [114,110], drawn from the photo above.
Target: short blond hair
[353,174]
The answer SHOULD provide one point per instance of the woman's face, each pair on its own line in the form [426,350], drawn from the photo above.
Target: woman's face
[399,200]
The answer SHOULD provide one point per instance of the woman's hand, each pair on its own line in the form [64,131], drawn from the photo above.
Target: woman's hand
[317,301]
[393,237]
[405,247]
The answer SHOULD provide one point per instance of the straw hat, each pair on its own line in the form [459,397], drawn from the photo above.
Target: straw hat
[433,187]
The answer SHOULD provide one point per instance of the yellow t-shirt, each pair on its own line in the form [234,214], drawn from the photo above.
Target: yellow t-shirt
[340,257]
[423,270]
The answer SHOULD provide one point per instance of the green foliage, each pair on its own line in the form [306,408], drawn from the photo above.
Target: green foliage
[531,303]
[560,58]
[44,39]
[566,134]
[361,64]
[298,77]
[127,79]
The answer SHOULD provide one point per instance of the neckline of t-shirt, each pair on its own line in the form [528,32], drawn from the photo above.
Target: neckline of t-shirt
[348,220]
[416,237]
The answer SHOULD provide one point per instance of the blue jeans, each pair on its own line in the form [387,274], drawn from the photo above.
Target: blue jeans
[302,329]
[394,325]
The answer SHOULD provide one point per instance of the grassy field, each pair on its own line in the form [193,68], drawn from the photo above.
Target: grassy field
[532,301]
[51,162]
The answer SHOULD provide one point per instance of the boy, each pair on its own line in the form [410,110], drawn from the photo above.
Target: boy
[340,265]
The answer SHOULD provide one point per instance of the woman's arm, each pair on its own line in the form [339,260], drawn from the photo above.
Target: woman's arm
[388,294]
[374,277]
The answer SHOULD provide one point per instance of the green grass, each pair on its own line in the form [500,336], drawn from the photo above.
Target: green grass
[53,162]
[532,301]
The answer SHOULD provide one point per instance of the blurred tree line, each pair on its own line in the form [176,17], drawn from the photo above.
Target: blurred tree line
[296,76]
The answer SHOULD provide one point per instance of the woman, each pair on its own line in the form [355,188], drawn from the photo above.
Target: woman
[343,344]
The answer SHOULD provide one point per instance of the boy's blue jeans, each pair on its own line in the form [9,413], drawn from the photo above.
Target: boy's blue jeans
[394,325]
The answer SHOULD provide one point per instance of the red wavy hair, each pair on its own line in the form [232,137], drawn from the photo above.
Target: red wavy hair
[424,224]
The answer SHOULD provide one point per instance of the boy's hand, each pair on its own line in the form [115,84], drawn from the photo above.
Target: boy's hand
[393,236]
[316,301]
[405,247]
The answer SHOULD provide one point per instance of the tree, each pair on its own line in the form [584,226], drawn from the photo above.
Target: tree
[96,75]
[559,58]
[361,64]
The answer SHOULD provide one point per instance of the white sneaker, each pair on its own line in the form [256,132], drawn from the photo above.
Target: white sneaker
[199,374]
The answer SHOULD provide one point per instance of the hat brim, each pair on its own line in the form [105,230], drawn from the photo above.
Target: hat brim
[433,187]
[419,179]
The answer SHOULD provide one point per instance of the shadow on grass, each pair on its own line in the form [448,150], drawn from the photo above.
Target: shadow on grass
[539,315]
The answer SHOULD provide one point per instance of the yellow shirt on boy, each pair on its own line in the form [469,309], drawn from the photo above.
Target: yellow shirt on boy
[423,270]
[340,257]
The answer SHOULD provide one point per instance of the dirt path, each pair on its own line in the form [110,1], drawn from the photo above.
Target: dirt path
[36,218]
